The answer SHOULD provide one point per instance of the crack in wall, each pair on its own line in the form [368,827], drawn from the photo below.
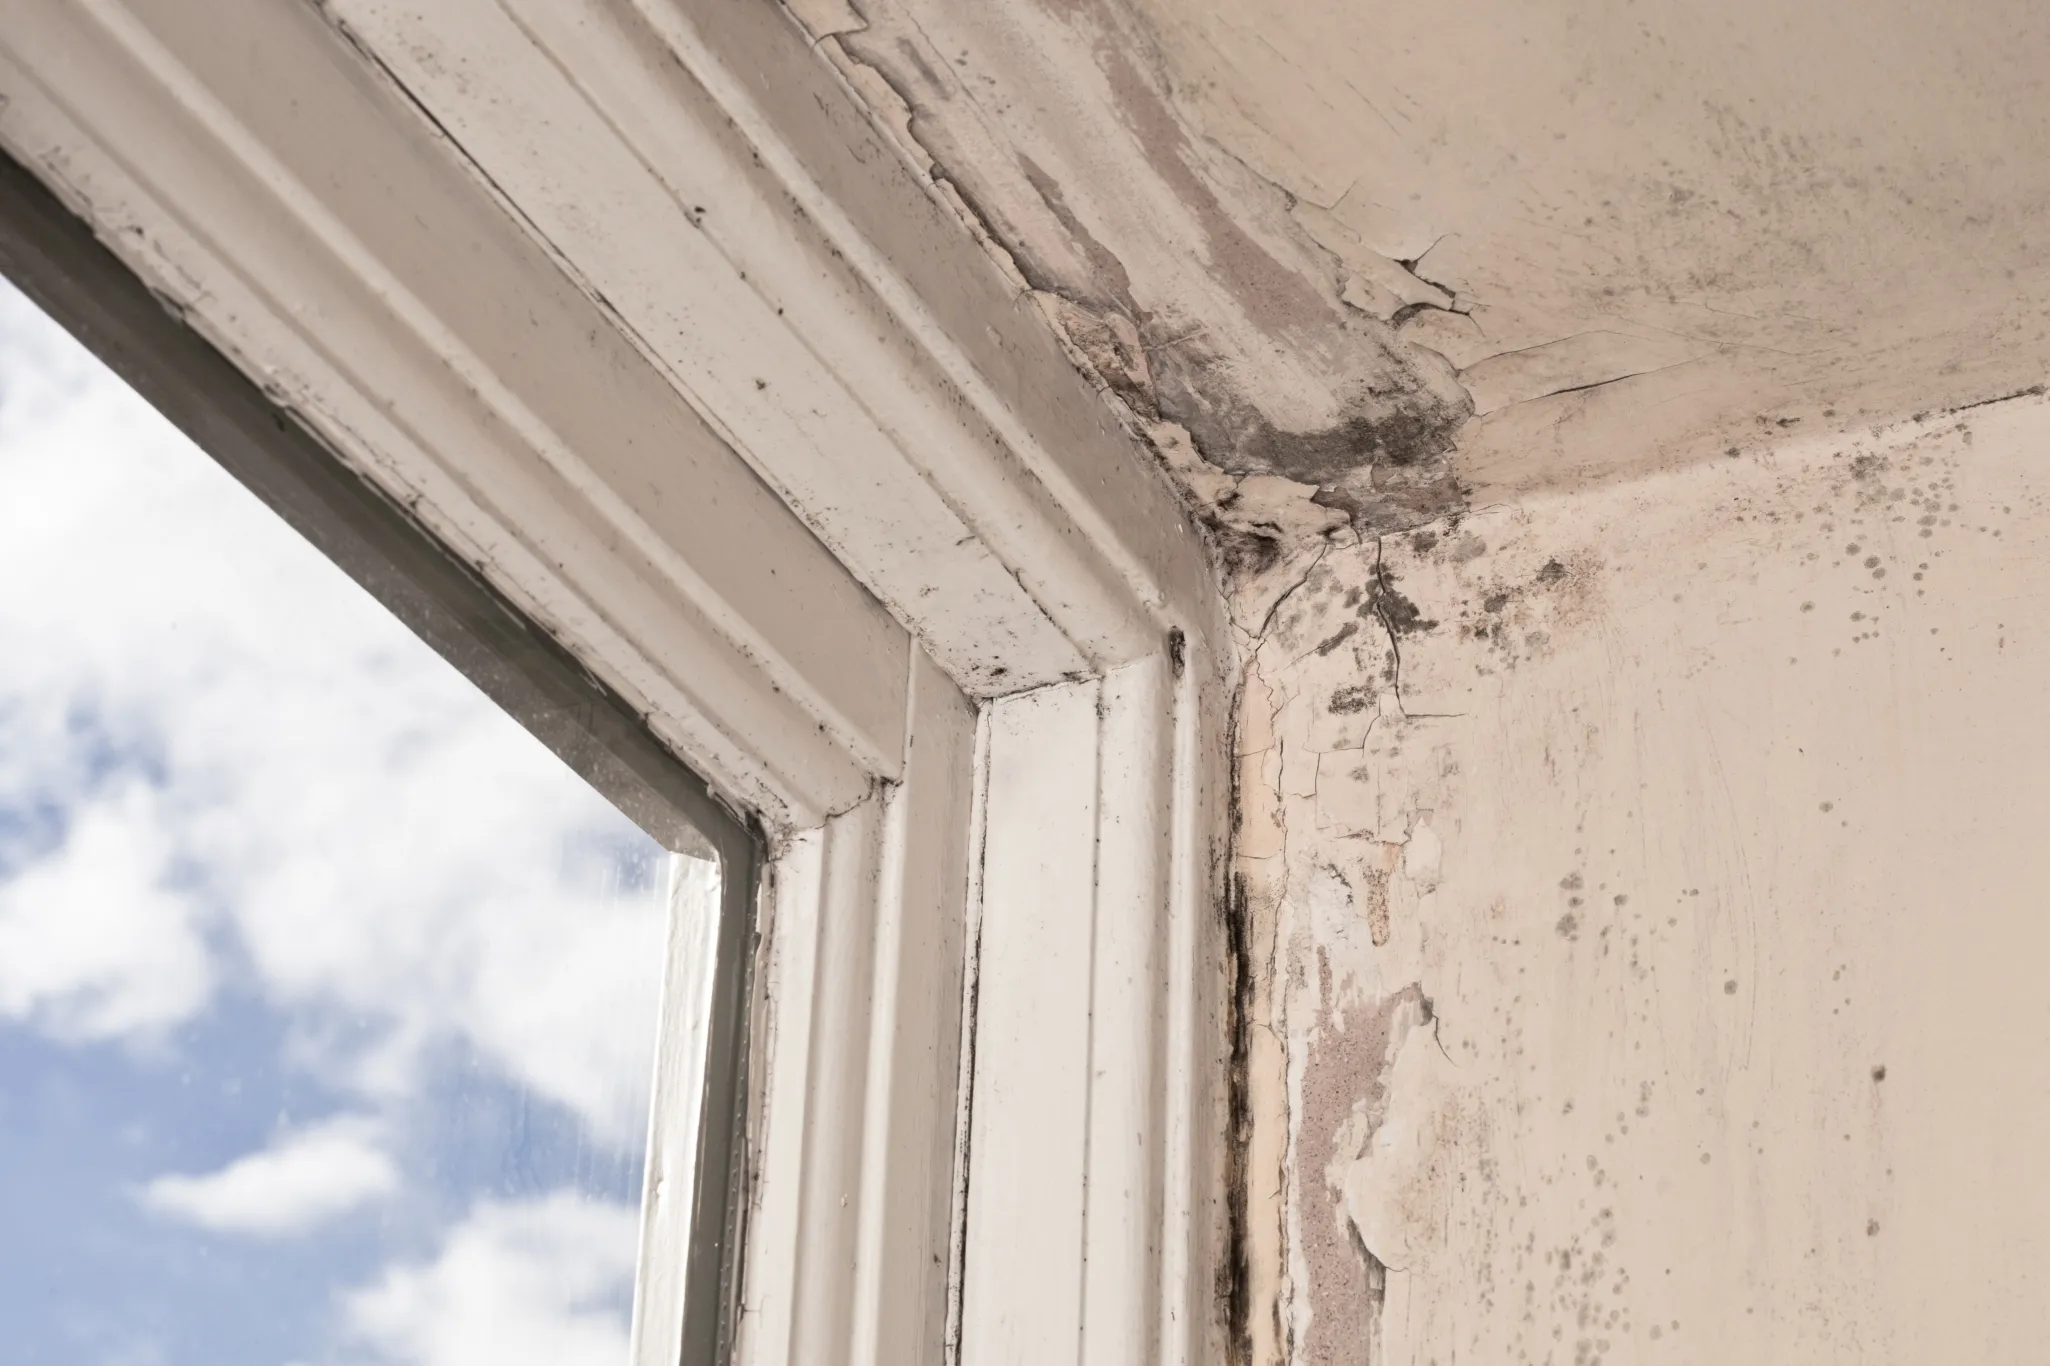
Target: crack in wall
[1331,650]
[1398,616]
[1182,386]
[1344,812]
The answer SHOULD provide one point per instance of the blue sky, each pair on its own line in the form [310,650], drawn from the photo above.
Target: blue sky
[327,995]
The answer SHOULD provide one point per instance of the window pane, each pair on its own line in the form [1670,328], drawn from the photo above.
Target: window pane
[327,993]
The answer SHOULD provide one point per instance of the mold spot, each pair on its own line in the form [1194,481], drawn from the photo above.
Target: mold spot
[1246,551]
[1351,700]
[1401,616]
[1338,638]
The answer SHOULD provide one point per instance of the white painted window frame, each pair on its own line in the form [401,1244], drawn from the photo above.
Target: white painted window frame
[634,308]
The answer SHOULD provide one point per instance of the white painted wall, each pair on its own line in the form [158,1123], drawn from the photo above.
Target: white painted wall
[1658,975]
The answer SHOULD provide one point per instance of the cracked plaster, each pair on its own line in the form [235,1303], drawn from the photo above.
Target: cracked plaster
[1606,861]
[1410,261]
[1629,655]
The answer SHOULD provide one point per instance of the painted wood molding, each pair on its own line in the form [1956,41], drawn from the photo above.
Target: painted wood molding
[635,309]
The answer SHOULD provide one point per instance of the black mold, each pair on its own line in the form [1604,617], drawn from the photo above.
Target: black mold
[1401,616]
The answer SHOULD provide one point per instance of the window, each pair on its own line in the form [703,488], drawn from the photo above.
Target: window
[329,995]
[637,309]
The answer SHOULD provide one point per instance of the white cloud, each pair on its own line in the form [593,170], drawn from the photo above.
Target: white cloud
[539,1283]
[279,769]
[304,1180]
[93,943]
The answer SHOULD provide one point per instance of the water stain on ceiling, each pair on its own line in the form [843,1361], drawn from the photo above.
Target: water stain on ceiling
[1373,263]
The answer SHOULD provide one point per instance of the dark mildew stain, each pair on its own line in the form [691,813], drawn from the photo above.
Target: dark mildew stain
[1112,286]
[1234,1272]
[1244,552]
[1385,462]
[1363,418]
[1352,700]
[1273,295]
[1398,613]
[1337,638]
[1404,430]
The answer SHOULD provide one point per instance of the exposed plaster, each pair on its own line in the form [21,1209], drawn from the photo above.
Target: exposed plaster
[1282,408]
[1541,835]
[1329,255]
[1370,390]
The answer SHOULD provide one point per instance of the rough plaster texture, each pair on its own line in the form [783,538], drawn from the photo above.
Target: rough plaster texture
[1177,274]
[1349,262]
[1662,228]
[1646,900]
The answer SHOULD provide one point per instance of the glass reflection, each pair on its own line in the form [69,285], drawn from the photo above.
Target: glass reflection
[327,994]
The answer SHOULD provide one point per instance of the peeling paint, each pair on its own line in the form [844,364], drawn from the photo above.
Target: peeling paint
[1306,241]
[1540,377]
[1584,947]
[1205,299]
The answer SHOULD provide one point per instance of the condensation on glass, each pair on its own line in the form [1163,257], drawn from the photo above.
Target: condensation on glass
[329,995]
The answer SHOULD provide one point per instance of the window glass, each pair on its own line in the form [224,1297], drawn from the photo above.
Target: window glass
[327,993]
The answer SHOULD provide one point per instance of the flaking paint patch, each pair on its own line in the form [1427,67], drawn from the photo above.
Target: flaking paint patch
[1569,652]
[1851,240]
[1343,1102]
[1646,829]
[1350,265]
[1179,276]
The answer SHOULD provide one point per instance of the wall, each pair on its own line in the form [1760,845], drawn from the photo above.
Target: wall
[1387,257]
[1635,849]
[1645,893]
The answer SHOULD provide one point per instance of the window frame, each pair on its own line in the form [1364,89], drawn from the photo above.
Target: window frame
[993,971]
[51,255]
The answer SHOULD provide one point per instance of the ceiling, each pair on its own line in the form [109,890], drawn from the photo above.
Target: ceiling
[1409,258]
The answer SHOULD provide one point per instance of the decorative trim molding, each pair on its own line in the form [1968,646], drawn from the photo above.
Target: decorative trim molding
[323,236]
[632,305]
